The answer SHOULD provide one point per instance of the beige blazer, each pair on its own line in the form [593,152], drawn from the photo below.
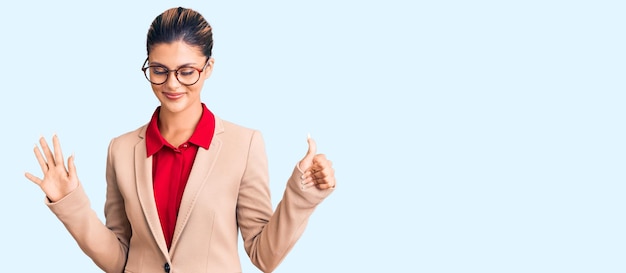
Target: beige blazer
[228,189]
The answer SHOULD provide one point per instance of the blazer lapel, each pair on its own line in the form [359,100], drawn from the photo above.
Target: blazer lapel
[145,192]
[202,168]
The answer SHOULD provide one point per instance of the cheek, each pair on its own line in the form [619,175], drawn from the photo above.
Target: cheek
[196,88]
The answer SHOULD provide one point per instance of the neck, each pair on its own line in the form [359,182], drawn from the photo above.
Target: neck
[177,127]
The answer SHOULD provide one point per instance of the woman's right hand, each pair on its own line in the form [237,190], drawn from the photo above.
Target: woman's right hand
[58,181]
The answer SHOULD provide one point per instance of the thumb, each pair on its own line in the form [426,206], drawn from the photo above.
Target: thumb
[71,168]
[307,161]
[71,171]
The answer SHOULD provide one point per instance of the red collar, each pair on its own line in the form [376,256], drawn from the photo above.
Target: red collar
[202,135]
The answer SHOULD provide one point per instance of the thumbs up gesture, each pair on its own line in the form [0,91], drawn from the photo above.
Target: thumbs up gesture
[318,170]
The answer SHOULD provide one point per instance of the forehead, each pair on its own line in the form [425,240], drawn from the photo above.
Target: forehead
[175,54]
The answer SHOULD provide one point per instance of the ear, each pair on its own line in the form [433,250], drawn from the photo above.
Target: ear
[209,68]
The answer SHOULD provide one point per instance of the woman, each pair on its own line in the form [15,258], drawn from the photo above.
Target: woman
[179,187]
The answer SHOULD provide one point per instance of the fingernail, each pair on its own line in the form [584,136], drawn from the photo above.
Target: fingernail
[308,135]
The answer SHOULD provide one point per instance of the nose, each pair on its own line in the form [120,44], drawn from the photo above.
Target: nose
[172,81]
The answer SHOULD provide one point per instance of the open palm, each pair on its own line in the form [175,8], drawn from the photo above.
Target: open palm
[58,181]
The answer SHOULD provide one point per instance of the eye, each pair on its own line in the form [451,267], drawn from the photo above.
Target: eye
[187,71]
[158,70]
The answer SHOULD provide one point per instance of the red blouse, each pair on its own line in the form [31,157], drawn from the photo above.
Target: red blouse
[171,166]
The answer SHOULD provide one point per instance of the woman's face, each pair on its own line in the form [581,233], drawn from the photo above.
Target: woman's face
[174,96]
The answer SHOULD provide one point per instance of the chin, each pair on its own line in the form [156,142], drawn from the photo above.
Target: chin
[174,106]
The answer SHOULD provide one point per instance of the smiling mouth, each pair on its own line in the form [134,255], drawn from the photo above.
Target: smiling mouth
[173,96]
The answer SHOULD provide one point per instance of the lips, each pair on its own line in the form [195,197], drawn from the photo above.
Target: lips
[173,96]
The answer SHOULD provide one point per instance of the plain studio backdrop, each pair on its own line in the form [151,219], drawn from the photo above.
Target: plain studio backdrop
[467,136]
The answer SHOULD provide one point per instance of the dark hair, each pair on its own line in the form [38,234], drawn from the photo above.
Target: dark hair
[181,24]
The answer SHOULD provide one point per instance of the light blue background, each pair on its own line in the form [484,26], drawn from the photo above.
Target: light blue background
[467,136]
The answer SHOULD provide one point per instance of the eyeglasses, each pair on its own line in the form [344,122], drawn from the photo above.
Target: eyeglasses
[186,75]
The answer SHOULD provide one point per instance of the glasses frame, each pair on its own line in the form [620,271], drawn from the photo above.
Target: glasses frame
[167,75]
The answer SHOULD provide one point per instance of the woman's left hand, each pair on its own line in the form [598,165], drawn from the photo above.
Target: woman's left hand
[318,170]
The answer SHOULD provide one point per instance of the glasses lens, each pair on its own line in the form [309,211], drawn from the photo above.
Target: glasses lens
[156,74]
[188,75]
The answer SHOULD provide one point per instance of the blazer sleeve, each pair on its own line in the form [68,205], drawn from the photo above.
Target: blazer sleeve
[106,245]
[267,236]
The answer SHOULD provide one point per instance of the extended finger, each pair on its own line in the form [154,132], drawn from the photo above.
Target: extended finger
[58,154]
[47,152]
[41,160]
[33,178]
[71,167]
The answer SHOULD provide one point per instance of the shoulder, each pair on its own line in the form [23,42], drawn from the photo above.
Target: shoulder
[234,133]
[231,128]
[130,137]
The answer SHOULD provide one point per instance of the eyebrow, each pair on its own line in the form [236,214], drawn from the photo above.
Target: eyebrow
[160,64]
